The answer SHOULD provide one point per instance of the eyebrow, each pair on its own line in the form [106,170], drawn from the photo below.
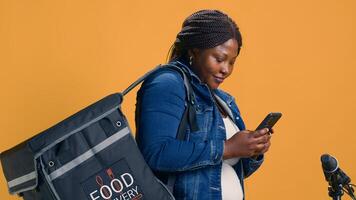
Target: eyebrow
[225,55]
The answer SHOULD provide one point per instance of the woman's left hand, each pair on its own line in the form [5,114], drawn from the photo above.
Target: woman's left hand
[267,144]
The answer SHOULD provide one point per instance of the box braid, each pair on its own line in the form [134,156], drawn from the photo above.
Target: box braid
[204,29]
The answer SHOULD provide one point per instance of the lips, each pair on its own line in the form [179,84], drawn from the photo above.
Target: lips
[218,79]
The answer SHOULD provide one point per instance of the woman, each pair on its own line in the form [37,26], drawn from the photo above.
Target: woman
[212,162]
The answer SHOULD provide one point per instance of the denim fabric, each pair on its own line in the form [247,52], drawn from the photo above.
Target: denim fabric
[197,160]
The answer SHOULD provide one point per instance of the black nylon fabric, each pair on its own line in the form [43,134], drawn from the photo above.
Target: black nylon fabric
[73,122]
[79,158]
[16,161]
[117,171]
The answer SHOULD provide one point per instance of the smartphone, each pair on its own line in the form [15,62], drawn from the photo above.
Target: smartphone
[270,120]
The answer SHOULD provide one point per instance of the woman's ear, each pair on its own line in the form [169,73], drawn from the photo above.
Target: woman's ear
[190,53]
[193,52]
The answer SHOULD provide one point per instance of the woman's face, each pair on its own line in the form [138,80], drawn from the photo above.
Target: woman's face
[215,64]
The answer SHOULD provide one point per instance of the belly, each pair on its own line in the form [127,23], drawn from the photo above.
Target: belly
[230,183]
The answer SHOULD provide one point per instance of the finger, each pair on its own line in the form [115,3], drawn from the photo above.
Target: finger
[271,131]
[267,146]
[259,133]
[268,137]
[259,147]
[245,132]
[262,139]
[264,149]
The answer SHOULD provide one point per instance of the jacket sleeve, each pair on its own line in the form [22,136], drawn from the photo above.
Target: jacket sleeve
[162,103]
[250,165]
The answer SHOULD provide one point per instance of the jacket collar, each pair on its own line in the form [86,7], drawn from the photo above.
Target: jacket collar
[224,96]
[187,67]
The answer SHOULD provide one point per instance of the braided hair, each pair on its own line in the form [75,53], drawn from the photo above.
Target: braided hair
[204,29]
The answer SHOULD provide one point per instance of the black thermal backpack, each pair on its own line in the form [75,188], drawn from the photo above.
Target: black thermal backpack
[91,155]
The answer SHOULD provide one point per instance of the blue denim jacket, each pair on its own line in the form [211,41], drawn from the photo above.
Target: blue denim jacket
[197,160]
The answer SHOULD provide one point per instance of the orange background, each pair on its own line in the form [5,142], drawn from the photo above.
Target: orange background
[57,57]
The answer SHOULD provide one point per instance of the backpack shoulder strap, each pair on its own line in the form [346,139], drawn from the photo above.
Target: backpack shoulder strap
[189,118]
[139,80]
[189,115]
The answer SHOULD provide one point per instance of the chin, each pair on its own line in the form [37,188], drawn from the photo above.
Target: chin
[213,87]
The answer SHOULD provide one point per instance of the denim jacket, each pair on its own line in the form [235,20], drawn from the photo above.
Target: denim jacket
[197,160]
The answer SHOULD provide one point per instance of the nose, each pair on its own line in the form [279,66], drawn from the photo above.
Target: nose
[224,69]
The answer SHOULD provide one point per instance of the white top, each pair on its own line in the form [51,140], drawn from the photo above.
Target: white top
[230,182]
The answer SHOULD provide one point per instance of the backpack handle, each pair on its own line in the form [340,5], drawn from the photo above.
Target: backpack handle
[139,80]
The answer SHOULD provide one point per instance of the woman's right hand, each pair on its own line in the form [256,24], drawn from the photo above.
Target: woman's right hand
[247,144]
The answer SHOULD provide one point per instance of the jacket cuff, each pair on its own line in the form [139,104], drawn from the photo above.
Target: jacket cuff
[257,161]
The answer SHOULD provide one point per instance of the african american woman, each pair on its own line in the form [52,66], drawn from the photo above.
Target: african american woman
[212,162]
